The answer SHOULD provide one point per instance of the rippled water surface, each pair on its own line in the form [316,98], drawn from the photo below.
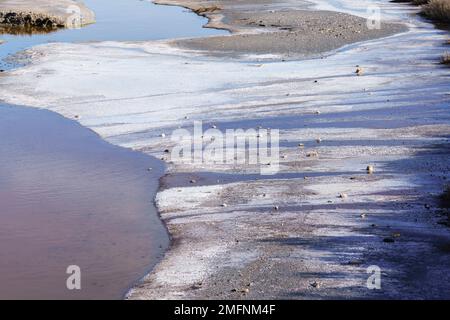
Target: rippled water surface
[67,197]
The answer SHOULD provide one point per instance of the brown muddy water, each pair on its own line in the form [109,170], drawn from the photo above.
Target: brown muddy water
[69,198]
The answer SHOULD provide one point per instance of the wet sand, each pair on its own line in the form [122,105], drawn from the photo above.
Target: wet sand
[291,236]
[276,28]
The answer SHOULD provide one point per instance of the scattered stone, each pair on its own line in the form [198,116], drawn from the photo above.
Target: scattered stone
[204,10]
[318,140]
[370,169]
[166,151]
[396,235]
[214,126]
[355,262]
[197,285]
[245,290]
[388,240]
[149,169]
[359,71]
[343,196]
[276,208]
[427,206]
[315,284]
[234,290]
[317,112]
[224,205]
[193,181]
[163,135]
[312,154]
[363,215]
[301,145]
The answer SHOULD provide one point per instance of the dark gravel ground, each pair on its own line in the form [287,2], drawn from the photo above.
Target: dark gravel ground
[290,33]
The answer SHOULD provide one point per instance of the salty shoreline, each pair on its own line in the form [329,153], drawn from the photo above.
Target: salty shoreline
[276,28]
[279,237]
[45,14]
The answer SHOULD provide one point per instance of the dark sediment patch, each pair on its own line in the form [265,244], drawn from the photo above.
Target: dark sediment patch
[286,32]
[28,19]
[445,198]
[27,23]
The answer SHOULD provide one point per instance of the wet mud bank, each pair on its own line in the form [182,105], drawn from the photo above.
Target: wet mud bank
[44,14]
[279,28]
